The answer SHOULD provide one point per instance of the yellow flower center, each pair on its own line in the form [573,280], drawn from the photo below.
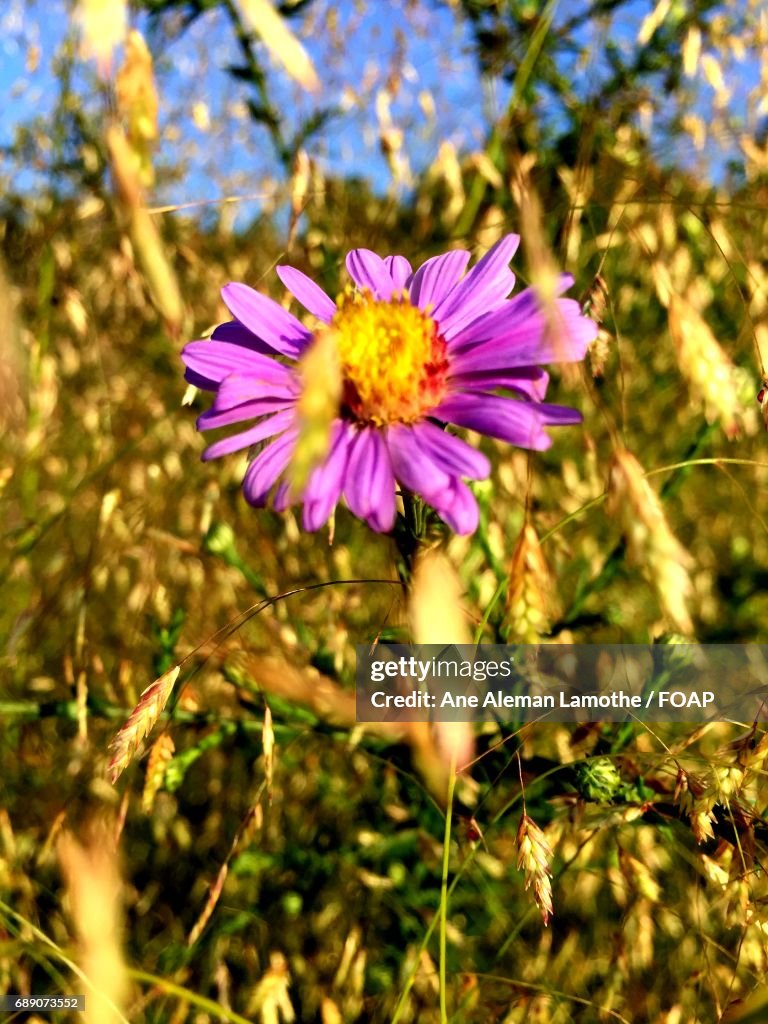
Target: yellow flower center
[392,359]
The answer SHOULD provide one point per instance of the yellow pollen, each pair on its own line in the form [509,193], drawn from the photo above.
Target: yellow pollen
[392,358]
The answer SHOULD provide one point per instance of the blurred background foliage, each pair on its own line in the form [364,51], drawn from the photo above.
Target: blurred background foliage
[627,143]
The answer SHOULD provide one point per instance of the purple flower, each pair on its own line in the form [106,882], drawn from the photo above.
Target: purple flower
[417,351]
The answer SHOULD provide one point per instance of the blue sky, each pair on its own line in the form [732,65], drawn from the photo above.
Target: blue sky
[233,155]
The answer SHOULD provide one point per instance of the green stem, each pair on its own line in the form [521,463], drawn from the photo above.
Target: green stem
[501,586]
[49,943]
[400,1007]
[444,887]
[68,711]
[408,535]
[255,582]
[263,111]
[495,147]
[216,1010]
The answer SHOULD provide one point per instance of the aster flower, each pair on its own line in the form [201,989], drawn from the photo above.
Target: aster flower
[417,351]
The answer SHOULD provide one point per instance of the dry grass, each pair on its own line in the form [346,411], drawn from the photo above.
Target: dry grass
[283,863]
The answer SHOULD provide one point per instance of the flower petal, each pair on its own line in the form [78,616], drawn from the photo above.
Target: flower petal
[266,319]
[325,482]
[400,270]
[508,316]
[450,453]
[215,360]
[369,271]
[265,428]
[213,418]
[458,508]
[267,467]
[532,340]
[198,381]
[199,370]
[413,467]
[485,286]
[238,388]
[559,415]
[370,485]
[493,343]
[531,381]
[283,497]
[435,278]
[310,295]
[234,332]
[417,471]
[519,422]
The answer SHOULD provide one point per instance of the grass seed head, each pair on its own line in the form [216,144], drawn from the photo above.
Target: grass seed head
[140,722]
[137,102]
[534,857]
[650,542]
[159,756]
[530,594]
[270,999]
[704,364]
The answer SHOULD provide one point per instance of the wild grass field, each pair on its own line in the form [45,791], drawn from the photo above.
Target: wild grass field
[231,844]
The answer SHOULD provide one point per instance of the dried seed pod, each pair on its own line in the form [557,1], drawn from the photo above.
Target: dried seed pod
[705,365]
[270,998]
[140,722]
[534,856]
[137,102]
[650,542]
[159,756]
[530,594]
[148,250]
[693,798]
[261,18]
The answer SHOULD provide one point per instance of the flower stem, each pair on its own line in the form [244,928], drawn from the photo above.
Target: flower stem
[408,535]
[444,886]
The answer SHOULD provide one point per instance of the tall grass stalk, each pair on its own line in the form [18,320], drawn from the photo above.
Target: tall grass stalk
[444,886]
